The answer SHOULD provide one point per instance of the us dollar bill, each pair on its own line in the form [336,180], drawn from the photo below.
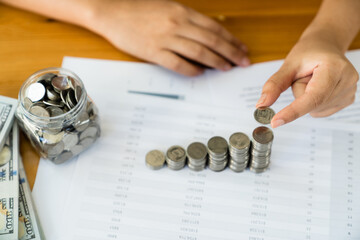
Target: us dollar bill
[9,186]
[7,113]
[29,224]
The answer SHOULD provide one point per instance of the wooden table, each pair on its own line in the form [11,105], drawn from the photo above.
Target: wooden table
[29,42]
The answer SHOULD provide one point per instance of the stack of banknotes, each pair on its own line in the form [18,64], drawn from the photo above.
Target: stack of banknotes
[18,218]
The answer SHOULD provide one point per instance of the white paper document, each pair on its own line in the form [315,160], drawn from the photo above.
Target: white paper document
[311,191]
[115,196]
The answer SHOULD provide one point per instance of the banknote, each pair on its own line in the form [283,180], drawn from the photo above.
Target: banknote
[7,113]
[29,225]
[9,186]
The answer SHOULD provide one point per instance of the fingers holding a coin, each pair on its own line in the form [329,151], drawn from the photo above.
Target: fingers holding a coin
[321,94]
[276,84]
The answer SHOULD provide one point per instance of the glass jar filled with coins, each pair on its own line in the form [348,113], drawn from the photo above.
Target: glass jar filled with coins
[57,115]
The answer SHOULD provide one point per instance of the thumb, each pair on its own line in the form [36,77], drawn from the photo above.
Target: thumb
[275,85]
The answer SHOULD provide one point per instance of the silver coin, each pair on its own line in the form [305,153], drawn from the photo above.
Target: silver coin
[5,155]
[176,167]
[217,167]
[176,153]
[63,95]
[27,103]
[78,93]
[258,170]
[197,151]
[51,138]
[54,149]
[264,115]
[196,168]
[263,135]
[54,111]
[82,122]
[239,140]
[52,95]
[63,157]
[39,111]
[86,142]
[70,99]
[217,145]
[35,92]
[53,103]
[72,82]
[60,83]
[70,140]
[89,132]
[76,149]
[155,159]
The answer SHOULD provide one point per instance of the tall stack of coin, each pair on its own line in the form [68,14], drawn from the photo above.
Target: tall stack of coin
[176,157]
[261,149]
[197,156]
[218,153]
[239,151]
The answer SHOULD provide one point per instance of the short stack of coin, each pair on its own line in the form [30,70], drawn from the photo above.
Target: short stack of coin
[155,159]
[261,149]
[239,146]
[218,153]
[176,157]
[197,156]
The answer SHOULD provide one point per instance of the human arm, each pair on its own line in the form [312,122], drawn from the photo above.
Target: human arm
[159,31]
[323,81]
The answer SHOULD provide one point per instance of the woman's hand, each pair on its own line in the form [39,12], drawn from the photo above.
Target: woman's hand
[323,81]
[169,34]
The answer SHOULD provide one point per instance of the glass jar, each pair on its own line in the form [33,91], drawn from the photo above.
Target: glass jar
[57,115]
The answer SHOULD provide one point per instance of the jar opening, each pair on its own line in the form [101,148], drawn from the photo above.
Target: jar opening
[52,94]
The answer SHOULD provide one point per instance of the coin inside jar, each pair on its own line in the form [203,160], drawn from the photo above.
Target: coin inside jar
[155,159]
[60,83]
[27,103]
[264,115]
[35,92]
[54,111]
[39,111]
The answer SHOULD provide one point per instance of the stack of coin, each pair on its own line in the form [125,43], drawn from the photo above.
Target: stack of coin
[261,149]
[69,119]
[155,159]
[239,151]
[176,157]
[197,156]
[218,153]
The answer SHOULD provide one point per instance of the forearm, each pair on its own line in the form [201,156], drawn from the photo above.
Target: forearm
[78,12]
[337,21]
